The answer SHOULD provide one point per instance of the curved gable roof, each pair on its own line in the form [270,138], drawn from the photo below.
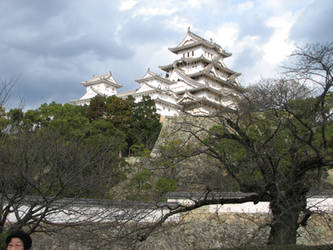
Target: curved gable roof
[193,40]
[106,78]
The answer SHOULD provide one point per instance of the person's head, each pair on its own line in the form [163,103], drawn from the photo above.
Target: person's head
[18,240]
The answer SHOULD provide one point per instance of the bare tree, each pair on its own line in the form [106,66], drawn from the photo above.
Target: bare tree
[275,144]
[6,88]
[62,187]
[42,175]
[5,91]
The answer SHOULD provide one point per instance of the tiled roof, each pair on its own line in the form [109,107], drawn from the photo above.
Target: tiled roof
[200,41]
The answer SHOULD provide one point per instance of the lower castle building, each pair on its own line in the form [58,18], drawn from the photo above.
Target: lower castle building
[198,82]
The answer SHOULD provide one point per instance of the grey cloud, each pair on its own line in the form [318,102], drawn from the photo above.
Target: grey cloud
[146,31]
[51,46]
[35,88]
[30,12]
[63,36]
[56,47]
[246,60]
[315,23]
[254,25]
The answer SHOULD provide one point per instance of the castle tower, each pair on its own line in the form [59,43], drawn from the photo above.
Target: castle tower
[103,85]
[198,82]
[201,79]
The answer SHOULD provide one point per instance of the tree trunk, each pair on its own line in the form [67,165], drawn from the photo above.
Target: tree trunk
[285,212]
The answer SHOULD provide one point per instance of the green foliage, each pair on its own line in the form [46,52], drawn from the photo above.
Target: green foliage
[110,122]
[142,180]
[170,153]
[139,150]
[139,122]
[146,124]
[164,185]
[59,151]
[132,123]
[267,146]
[96,108]
[15,116]
[45,163]
[119,111]
[70,129]
[3,237]
[3,120]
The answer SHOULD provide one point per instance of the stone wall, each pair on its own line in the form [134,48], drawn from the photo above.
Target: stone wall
[203,232]
[232,230]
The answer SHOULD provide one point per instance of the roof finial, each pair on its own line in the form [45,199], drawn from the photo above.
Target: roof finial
[188,28]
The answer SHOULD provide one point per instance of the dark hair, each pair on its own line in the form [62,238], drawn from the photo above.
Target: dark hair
[26,239]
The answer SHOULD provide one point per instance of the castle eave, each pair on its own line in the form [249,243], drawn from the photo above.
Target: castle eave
[154,77]
[187,60]
[201,43]
[90,83]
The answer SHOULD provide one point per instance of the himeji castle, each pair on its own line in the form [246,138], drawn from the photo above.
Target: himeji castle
[198,82]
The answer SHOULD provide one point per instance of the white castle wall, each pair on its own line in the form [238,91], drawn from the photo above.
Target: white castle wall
[151,214]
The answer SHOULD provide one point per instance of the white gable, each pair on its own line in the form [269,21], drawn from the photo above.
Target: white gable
[187,40]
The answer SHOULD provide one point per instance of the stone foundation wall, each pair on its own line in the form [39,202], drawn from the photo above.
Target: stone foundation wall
[204,232]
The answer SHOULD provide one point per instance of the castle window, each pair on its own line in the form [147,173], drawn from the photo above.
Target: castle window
[188,54]
[192,53]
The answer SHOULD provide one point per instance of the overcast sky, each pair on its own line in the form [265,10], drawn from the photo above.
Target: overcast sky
[50,46]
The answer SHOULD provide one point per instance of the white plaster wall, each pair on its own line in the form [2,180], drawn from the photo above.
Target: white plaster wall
[247,207]
[210,83]
[89,93]
[101,88]
[106,89]
[174,76]
[191,68]
[198,52]
[104,214]
[165,110]
[209,96]
[315,204]
[143,88]
[100,214]
[228,103]
[187,53]
[222,75]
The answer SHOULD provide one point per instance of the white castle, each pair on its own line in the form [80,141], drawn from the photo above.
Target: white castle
[198,82]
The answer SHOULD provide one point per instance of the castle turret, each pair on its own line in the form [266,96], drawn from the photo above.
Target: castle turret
[104,85]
